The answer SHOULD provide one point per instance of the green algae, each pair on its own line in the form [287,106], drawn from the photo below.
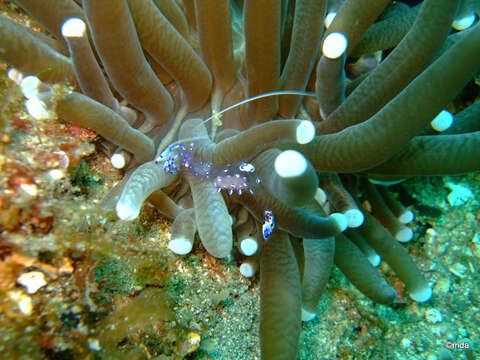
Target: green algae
[144,320]
[114,278]
[82,176]
[11,100]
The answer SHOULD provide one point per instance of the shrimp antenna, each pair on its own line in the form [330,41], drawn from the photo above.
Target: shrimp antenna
[217,115]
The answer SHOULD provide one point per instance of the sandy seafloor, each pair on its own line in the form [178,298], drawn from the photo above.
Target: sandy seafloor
[112,289]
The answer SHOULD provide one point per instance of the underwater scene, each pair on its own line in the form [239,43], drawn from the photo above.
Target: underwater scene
[239,179]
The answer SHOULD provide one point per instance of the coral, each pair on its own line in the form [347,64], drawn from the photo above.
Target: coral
[322,123]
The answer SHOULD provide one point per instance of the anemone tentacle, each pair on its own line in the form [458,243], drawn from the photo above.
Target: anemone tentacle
[172,66]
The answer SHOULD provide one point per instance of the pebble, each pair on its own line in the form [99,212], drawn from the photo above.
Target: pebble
[476,238]
[24,302]
[458,269]
[406,343]
[433,316]
[440,248]
[458,195]
[30,189]
[191,344]
[56,174]
[430,236]
[442,286]
[94,344]
[32,281]
[476,245]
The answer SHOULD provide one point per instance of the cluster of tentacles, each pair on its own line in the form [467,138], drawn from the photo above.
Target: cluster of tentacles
[146,72]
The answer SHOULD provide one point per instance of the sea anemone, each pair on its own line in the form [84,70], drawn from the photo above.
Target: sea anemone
[328,112]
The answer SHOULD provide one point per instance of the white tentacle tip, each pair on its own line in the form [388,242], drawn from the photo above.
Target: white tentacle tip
[442,121]
[305,132]
[404,235]
[307,315]
[406,217]
[248,246]
[334,45]
[180,245]
[15,75]
[355,218]
[37,109]
[30,86]
[290,164]
[374,259]
[329,19]
[247,270]
[422,295]
[126,212]
[74,27]
[340,220]
[464,22]
[321,196]
[118,160]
